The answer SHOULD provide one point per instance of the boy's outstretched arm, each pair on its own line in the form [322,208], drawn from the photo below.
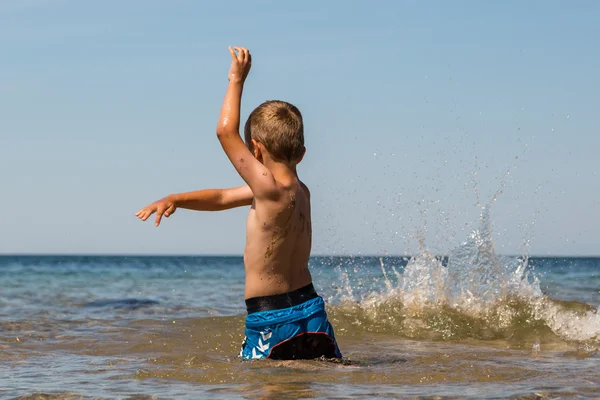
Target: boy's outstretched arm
[200,200]
[254,173]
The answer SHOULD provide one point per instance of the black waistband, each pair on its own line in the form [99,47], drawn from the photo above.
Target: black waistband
[279,301]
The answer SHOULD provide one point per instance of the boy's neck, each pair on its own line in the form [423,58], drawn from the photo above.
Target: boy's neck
[282,172]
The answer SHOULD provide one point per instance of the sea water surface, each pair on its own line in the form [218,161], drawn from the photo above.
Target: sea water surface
[471,324]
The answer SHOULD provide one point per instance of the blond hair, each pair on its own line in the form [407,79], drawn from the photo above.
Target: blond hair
[278,126]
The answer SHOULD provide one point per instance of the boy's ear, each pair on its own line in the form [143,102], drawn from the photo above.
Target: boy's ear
[256,150]
[301,155]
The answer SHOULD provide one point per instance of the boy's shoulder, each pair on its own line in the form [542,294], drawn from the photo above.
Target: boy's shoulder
[283,193]
[283,188]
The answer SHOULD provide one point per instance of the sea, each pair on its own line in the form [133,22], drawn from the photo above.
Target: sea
[467,324]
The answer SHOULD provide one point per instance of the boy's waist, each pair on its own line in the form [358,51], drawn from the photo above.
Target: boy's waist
[281,301]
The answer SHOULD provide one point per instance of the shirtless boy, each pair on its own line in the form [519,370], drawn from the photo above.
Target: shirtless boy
[286,317]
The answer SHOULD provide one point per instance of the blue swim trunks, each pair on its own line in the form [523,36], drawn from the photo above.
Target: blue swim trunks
[289,326]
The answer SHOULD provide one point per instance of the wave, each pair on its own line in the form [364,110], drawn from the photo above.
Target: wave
[474,294]
[514,319]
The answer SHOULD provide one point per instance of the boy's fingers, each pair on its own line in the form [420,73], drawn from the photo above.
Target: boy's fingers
[159,214]
[240,51]
[146,214]
[169,211]
[233,56]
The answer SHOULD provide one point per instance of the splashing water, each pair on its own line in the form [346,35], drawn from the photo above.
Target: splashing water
[475,276]
[476,294]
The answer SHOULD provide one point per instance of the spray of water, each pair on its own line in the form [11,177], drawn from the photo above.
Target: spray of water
[476,294]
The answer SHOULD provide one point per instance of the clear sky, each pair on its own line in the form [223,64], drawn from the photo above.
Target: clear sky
[107,106]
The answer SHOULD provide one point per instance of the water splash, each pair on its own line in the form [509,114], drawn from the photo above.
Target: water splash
[474,293]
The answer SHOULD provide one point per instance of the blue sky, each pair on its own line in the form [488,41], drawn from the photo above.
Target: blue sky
[107,106]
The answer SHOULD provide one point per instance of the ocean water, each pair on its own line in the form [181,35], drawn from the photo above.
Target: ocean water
[467,324]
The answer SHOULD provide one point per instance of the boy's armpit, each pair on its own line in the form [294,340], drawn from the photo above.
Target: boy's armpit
[237,197]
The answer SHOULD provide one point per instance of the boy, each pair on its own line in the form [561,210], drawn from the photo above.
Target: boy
[286,317]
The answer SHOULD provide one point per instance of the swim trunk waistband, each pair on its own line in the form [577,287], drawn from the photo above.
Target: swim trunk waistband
[283,300]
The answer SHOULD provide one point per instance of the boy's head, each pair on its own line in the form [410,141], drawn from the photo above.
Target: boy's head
[276,126]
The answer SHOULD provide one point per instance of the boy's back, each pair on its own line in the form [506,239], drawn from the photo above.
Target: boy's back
[278,242]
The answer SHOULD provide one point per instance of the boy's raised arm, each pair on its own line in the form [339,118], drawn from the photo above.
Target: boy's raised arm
[254,173]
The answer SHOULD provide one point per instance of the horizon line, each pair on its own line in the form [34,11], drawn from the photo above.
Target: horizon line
[236,255]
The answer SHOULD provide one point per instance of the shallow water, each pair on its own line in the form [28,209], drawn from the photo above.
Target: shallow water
[469,325]
[171,327]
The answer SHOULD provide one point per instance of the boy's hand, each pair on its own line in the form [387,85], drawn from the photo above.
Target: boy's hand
[240,64]
[165,206]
